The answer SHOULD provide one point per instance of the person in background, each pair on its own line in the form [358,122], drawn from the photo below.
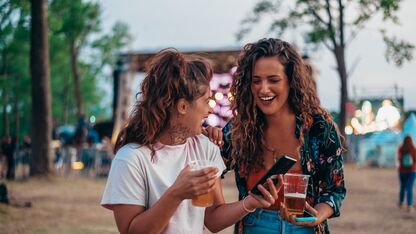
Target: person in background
[277,112]
[3,161]
[23,159]
[406,157]
[151,182]
[8,148]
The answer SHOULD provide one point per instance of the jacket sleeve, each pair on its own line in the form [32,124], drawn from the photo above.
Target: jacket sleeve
[331,173]
[226,147]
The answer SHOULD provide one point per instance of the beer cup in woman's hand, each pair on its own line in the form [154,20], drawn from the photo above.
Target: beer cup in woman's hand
[191,183]
[206,199]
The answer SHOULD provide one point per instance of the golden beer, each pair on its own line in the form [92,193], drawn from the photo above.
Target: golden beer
[204,200]
[295,203]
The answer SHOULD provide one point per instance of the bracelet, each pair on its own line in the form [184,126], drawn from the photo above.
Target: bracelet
[245,208]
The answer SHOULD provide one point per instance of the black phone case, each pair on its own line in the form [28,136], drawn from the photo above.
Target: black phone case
[280,167]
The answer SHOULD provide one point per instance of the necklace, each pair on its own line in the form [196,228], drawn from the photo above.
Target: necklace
[271,150]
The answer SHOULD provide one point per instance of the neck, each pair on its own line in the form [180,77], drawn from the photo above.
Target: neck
[174,135]
[281,119]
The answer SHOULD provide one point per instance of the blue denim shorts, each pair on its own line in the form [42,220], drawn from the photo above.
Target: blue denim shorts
[269,221]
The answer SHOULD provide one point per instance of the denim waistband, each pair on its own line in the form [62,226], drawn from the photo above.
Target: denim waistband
[269,215]
[269,221]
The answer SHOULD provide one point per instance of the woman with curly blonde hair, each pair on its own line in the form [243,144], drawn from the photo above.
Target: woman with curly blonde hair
[151,182]
[277,112]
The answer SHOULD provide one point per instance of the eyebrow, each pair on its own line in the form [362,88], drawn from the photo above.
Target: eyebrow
[271,76]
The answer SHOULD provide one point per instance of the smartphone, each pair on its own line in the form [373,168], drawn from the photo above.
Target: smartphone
[307,217]
[280,167]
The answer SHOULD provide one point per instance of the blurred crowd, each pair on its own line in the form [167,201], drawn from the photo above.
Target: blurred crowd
[81,150]
[15,158]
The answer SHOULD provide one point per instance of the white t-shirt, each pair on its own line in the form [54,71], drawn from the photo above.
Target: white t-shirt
[135,180]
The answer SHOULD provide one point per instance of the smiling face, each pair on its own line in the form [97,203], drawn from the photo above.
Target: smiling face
[195,112]
[270,86]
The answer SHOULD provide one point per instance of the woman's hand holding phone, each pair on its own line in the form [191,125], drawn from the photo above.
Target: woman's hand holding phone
[269,194]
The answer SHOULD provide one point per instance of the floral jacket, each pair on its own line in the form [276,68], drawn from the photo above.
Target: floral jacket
[321,155]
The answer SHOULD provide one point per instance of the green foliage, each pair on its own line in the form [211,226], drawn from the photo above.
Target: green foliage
[68,20]
[109,46]
[318,35]
[14,63]
[397,50]
[78,19]
[325,21]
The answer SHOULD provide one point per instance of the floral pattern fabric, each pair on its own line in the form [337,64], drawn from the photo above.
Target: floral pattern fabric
[321,158]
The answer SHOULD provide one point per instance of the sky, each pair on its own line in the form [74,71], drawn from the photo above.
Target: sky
[197,24]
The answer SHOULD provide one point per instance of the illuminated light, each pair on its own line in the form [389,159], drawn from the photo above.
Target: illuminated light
[77,165]
[367,107]
[348,130]
[225,111]
[92,119]
[355,122]
[387,116]
[358,113]
[219,96]
[212,103]
[230,96]
[213,120]
[356,125]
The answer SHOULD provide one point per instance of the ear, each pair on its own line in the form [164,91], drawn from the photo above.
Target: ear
[182,106]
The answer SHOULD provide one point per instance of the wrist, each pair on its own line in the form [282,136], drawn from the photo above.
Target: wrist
[173,195]
[248,204]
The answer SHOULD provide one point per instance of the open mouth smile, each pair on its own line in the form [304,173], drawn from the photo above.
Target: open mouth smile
[267,99]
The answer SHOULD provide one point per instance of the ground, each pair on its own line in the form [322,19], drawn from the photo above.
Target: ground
[71,205]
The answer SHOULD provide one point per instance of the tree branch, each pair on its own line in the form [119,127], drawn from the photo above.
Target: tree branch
[317,16]
[327,46]
[341,22]
[353,35]
[330,26]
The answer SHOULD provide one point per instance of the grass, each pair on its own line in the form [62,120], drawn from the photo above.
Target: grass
[59,205]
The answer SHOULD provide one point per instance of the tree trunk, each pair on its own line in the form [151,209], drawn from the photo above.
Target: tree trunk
[6,129]
[41,94]
[6,124]
[65,102]
[16,110]
[342,72]
[75,75]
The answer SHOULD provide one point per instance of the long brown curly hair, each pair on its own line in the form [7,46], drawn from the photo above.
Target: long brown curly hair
[170,76]
[407,145]
[249,122]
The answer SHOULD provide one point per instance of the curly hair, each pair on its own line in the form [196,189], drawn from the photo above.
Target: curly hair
[249,122]
[170,76]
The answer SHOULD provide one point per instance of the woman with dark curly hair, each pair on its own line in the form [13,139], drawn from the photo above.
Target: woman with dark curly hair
[151,181]
[277,112]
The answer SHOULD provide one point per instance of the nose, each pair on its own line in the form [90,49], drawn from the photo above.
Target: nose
[264,88]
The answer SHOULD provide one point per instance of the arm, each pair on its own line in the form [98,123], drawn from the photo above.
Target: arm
[330,173]
[214,134]
[135,219]
[221,215]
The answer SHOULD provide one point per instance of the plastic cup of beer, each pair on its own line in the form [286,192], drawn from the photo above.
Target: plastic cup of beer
[207,199]
[295,186]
